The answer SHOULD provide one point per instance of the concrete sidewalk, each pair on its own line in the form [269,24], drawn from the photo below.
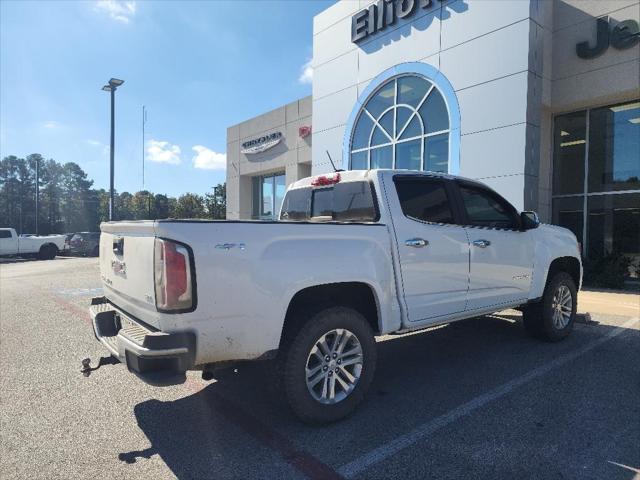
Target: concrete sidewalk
[609,303]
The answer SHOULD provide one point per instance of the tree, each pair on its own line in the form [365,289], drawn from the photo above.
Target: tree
[26,176]
[123,203]
[51,196]
[68,203]
[103,206]
[189,205]
[75,207]
[141,205]
[161,206]
[216,202]
[10,214]
[17,198]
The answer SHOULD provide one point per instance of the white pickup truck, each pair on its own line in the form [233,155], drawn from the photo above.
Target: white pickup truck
[44,248]
[354,255]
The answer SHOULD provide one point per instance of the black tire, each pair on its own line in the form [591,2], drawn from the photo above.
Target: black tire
[297,353]
[538,318]
[47,252]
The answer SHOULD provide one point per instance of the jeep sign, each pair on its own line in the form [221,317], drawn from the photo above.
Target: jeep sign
[625,34]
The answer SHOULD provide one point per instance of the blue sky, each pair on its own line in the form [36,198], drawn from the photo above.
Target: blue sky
[198,67]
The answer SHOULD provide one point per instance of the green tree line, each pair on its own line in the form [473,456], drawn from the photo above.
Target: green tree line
[68,203]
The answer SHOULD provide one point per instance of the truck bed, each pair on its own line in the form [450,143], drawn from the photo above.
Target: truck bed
[259,265]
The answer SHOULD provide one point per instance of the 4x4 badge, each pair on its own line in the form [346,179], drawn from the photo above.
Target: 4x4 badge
[228,246]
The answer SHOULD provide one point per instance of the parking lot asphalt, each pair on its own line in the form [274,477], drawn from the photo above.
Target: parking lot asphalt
[474,399]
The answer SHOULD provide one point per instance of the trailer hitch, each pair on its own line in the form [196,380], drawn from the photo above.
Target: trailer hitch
[87,369]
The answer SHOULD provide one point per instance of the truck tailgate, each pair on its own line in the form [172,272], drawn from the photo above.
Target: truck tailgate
[127,269]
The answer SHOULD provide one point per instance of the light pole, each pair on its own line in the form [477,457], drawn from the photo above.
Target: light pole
[112,86]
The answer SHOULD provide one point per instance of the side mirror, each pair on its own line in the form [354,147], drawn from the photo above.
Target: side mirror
[529,220]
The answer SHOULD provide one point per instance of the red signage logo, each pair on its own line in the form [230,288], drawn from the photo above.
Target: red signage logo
[304,131]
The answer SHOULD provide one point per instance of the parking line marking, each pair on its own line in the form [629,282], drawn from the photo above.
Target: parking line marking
[81,292]
[385,451]
[301,460]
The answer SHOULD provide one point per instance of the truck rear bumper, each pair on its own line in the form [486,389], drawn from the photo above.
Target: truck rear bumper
[158,358]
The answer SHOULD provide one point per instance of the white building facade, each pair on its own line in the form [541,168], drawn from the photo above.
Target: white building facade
[539,99]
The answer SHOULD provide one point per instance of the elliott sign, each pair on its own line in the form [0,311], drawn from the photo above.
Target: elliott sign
[382,14]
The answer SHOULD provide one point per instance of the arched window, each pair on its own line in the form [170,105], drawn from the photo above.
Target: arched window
[407,118]
[404,124]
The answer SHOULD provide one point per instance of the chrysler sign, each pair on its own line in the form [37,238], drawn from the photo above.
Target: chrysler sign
[258,145]
[382,14]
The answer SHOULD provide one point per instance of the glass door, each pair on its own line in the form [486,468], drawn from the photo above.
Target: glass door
[271,192]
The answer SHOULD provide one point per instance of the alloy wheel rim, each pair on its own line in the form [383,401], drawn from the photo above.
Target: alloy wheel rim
[334,366]
[562,307]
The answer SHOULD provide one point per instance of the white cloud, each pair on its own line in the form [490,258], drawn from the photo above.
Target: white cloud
[122,11]
[163,152]
[98,145]
[306,73]
[51,124]
[208,159]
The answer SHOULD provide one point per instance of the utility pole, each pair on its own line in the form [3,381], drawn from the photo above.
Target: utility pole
[144,120]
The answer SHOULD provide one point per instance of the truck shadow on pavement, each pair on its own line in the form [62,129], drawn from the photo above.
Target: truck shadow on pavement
[237,427]
[10,260]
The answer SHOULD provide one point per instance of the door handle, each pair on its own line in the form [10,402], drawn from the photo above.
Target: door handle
[416,242]
[482,243]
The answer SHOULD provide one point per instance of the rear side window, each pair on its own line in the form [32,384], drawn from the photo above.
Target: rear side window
[5,234]
[343,202]
[486,209]
[424,199]
[296,205]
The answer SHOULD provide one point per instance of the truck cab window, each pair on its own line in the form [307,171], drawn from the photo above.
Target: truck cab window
[343,202]
[424,199]
[487,209]
[5,234]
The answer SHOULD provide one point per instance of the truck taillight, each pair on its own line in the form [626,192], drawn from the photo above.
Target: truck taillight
[174,289]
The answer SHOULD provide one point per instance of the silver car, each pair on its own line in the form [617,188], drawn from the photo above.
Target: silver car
[85,243]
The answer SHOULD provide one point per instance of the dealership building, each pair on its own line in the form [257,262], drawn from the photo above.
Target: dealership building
[538,99]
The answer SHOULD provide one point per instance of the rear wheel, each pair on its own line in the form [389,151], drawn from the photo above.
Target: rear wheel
[552,318]
[48,252]
[329,365]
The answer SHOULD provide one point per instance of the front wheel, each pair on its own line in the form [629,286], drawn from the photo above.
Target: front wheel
[329,365]
[552,318]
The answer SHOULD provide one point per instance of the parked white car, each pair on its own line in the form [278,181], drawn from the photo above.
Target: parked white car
[44,248]
[354,255]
